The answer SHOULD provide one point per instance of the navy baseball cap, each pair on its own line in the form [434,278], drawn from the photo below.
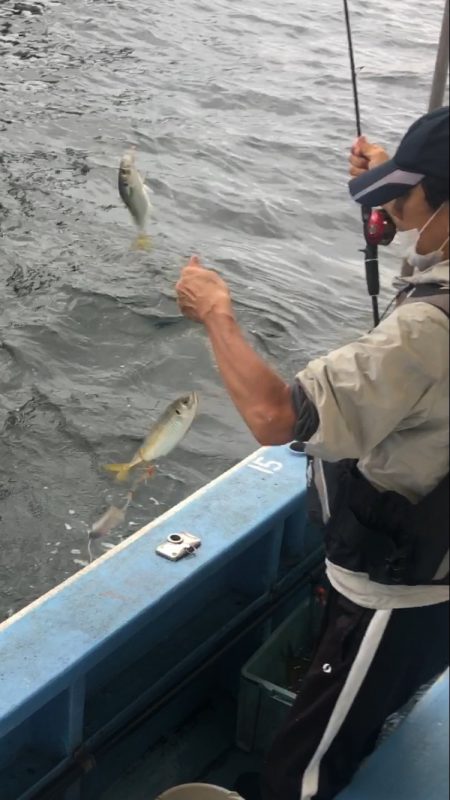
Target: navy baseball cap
[423,153]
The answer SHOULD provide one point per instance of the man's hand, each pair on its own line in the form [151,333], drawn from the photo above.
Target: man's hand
[262,398]
[365,155]
[202,292]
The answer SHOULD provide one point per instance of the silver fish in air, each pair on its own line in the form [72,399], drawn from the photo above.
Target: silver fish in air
[164,436]
[136,196]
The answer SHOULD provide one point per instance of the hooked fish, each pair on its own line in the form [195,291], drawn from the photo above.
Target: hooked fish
[111,519]
[166,434]
[136,196]
[114,516]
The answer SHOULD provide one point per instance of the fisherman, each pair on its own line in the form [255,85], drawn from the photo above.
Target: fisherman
[374,419]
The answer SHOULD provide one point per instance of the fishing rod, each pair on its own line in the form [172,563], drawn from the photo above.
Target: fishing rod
[440,77]
[377,224]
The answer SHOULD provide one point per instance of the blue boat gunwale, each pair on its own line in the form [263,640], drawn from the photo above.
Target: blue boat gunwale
[119,583]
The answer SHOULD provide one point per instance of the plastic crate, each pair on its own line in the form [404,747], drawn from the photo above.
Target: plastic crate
[264,696]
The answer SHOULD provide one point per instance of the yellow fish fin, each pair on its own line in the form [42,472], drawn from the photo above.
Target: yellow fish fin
[122,470]
[143,242]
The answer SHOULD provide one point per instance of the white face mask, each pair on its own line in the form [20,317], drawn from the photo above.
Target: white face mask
[428,260]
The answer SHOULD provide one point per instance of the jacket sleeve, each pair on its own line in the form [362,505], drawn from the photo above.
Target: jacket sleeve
[307,416]
[369,389]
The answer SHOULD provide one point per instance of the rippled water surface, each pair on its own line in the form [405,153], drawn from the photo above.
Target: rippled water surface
[242,114]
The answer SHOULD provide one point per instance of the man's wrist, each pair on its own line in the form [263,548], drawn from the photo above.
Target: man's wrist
[219,314]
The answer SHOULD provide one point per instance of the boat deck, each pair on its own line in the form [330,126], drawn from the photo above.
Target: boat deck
[412,764]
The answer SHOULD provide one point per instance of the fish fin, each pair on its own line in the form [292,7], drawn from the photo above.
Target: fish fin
[121,470]
[149,194]
[143,242]
[143,477]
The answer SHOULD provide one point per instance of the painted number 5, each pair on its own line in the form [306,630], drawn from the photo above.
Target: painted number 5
[268,467]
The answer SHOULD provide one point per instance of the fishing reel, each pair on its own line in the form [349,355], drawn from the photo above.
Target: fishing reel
[379,227]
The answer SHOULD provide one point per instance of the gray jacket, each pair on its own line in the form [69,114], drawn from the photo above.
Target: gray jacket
[384,400]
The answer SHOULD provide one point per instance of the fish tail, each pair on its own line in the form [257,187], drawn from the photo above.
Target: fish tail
[121,470]
[143,242]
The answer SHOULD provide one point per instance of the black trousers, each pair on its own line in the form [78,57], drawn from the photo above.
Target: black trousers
[367,665]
